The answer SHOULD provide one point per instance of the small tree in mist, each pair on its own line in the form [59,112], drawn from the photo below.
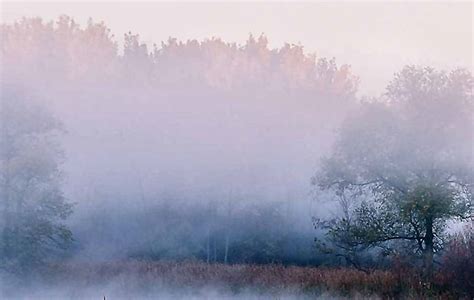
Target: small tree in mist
[405,165]
[32,203]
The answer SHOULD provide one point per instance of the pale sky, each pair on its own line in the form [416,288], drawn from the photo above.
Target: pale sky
[375,38]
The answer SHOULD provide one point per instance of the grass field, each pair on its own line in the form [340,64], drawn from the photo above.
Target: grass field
[197,280]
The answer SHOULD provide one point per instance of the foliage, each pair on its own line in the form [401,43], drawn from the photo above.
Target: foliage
[33,205]
[220,232]
[31,47]
[405,164]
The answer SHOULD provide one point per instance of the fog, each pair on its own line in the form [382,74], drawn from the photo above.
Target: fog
[195,126]
[194,150]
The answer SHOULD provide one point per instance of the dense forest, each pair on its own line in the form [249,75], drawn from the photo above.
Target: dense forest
[206,153]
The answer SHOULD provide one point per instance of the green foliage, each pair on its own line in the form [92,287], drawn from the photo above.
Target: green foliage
[404,164]
[224,232]
[32,204]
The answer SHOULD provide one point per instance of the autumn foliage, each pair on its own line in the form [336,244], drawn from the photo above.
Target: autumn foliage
[30,47]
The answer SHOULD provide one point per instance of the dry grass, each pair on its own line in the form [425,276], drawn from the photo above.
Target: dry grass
[259,278]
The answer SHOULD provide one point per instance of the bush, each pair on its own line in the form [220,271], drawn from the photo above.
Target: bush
[458,263]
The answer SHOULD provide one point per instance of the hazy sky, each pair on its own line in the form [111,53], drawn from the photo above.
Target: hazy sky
[377,39]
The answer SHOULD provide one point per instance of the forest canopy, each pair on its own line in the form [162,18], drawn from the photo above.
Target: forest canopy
[68,52]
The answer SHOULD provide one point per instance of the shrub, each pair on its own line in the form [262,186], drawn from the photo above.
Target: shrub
[457,270]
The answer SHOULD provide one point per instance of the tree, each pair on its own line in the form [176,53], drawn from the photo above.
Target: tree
[33,205]
[405,163]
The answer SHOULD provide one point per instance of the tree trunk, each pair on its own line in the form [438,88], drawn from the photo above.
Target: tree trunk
[208,245]
[226,248]
[429,249]
[5,193]
[6,247]
[215,250]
